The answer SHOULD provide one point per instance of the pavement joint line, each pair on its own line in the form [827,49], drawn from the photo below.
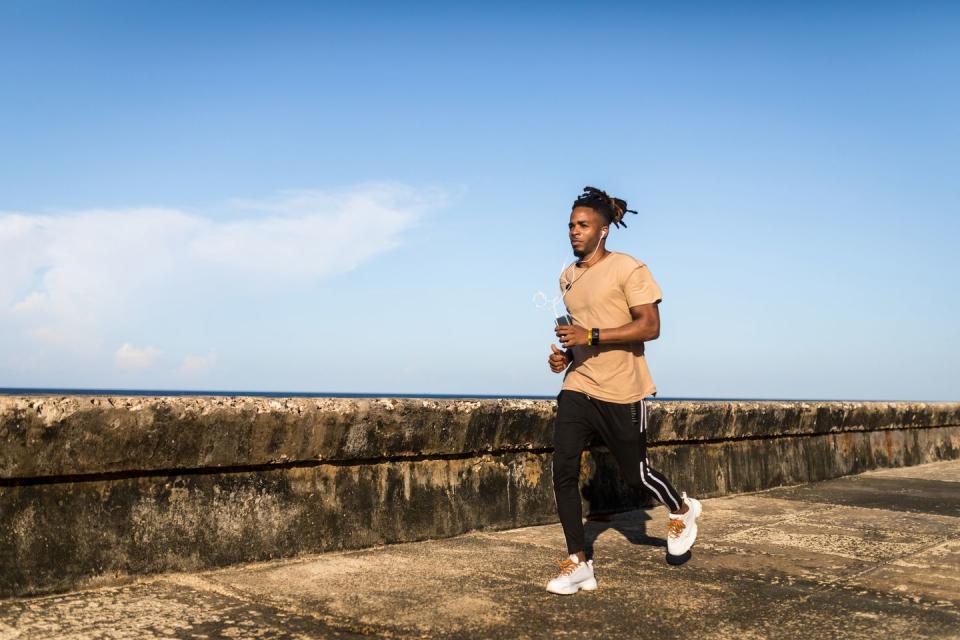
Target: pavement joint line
[872,508]
[211,585]
[861,592]
[883,563]
[115,584]
[905,472]
[835,507]
[759,492]
[783,487]
[312,557]
[200,583]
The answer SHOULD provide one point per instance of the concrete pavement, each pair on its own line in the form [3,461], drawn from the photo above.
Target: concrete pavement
[867,556]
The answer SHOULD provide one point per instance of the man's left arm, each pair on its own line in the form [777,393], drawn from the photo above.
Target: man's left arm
[644,326]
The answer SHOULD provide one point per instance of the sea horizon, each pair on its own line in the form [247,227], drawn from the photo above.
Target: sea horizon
[67,391]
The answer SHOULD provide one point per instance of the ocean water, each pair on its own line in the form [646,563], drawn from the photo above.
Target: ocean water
[14,391]
[29,391]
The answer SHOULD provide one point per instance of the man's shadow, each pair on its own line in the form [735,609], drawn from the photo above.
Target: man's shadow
[612,504]
[632,525]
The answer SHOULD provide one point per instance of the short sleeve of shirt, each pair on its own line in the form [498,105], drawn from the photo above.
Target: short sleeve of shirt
[640,287]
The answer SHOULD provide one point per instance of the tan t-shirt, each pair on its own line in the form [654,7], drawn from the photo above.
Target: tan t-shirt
[601,297]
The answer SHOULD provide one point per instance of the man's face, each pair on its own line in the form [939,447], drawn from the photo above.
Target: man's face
[585,227]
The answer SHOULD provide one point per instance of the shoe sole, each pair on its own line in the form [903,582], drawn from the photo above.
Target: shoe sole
[586,585]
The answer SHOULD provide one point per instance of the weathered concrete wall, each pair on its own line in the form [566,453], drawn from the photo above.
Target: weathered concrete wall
[92,488]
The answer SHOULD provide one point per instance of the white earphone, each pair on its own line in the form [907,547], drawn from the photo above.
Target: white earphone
[564,290]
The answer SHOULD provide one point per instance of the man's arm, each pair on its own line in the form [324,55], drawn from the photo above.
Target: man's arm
[644,326]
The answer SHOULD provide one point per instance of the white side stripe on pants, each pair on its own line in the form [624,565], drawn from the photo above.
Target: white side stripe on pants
[644,466]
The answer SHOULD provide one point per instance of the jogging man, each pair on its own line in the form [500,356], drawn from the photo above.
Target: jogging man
[612,301]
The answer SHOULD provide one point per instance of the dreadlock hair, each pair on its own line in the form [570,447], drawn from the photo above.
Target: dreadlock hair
[612,209]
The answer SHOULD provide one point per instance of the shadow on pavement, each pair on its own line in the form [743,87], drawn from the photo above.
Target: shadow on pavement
[632,526]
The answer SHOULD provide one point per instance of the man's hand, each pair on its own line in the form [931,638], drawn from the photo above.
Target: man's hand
[571,335]
[558,360]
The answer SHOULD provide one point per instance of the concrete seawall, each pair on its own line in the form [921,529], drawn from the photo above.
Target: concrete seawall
[96,488]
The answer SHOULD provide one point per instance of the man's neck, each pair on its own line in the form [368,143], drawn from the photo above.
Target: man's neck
[597,257]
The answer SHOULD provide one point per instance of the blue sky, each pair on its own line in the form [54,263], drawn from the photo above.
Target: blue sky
[310,197]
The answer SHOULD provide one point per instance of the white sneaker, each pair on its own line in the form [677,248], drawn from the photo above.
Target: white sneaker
[574,575]
[683,528]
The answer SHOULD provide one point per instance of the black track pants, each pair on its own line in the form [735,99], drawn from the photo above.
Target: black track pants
[623,428]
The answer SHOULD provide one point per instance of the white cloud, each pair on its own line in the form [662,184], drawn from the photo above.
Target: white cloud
[129,357]
[198,365]
[76,280]
[313,234]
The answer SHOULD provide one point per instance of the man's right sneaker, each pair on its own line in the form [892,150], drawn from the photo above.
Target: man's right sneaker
[574,575]
[683,528]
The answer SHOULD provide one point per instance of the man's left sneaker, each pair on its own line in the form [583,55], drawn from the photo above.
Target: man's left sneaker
[574,576]
[683,528]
